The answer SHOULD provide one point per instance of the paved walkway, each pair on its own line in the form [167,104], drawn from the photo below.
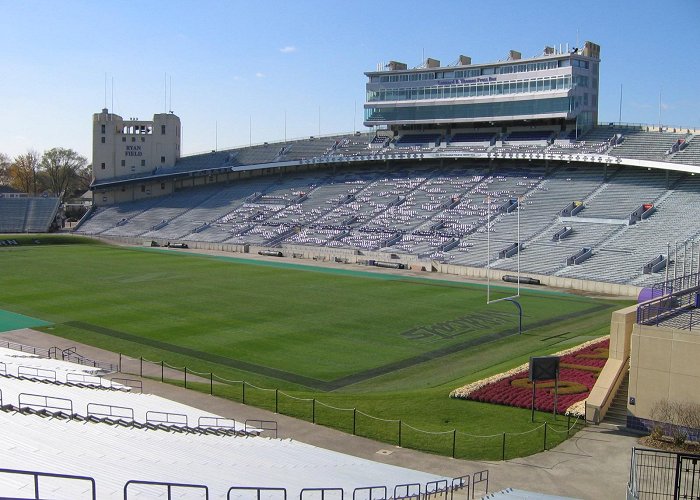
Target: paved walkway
[594,464]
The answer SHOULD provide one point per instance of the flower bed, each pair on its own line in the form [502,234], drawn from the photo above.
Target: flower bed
[578,371]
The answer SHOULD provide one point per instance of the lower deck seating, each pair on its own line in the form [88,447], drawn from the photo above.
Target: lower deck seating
[425,210]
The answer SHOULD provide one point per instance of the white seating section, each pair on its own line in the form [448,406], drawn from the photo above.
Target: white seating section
[21,364]
[114,454]
[436,213]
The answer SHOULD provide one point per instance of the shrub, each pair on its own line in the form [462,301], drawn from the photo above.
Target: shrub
[679,416]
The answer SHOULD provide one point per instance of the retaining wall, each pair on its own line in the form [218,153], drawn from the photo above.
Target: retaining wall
[413,262]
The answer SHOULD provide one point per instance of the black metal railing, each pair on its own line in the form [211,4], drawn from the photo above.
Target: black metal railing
[370,493]
[168,488]
[216,422]
[36,481]
[407,491]
[258,492]
[165,418]
[163,489]
[321,493]
[42,402]
[34,372]
[110,411]
[658,474]
[263,425]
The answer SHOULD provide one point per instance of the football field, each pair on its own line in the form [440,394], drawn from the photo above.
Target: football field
[320,328]
[390,344]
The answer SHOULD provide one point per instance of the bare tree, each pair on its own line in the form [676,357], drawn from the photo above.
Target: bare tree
[23,172]
[63,169]
[84,178]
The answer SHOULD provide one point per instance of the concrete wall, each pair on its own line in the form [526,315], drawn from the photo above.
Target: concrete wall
[349,256]
[553,281]
[613,373]
[199,245]
[664,364]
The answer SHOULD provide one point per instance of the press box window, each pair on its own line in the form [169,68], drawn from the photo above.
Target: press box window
[123,163]
[143,163]
[162,185]
[103,140]
[162,159]
[162,129]
[102,127]
[102,165]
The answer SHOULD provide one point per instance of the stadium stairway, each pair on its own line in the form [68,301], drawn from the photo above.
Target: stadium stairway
[616,416]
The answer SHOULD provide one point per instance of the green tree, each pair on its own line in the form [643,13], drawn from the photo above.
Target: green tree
[24,172]
[63,170]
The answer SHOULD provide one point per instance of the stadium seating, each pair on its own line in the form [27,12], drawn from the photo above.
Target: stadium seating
[420,140]
[121,441]
[690,155]
[28,214]
[469,138]
[541,136]
[646,145]
[430,211]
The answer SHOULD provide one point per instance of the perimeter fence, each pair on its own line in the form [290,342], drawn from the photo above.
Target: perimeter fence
[451,442]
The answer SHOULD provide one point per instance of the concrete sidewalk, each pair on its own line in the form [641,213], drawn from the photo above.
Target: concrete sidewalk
[594,464]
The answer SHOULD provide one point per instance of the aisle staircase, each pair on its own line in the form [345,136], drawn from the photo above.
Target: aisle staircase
[616,415]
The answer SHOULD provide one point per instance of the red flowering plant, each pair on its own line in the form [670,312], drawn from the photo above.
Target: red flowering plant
[578,370]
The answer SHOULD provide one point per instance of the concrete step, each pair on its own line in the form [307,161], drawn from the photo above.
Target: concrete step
[617,412]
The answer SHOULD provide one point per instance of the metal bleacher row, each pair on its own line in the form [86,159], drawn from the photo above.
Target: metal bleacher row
[615,140]
[434,213]
[27,214]
[68,433]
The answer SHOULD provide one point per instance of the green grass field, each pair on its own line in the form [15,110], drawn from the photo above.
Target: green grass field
[389,345]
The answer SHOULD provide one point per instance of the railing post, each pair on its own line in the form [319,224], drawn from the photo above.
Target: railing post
[277,400]
[503,447]
[162,370]
[141,366]
[120,362]
[211,383]
[354,420]
[243,390]
[544,445]
[185,377]
[568,424]
[313,411]
[399,433]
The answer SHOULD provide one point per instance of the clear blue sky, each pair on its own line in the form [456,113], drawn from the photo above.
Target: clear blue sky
[233,60]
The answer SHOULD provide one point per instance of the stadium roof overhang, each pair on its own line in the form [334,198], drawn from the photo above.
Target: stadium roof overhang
[398,155]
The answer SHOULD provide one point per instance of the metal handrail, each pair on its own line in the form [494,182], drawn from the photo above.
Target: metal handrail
[36,475]
[169,487]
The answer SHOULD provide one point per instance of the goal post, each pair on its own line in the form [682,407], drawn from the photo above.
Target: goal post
[490,297]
